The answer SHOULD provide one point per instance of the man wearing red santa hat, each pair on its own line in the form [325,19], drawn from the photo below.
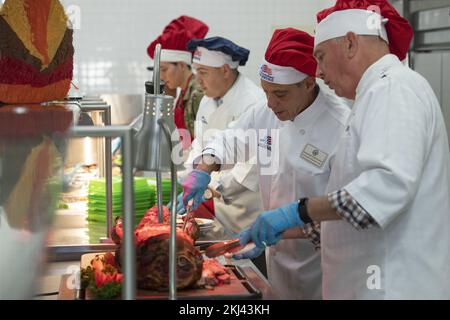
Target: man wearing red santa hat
[385,222]
[228,94]
[296,129]
[176,70]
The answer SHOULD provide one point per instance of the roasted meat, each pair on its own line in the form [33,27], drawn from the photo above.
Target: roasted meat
[153,262]
[151,216]
[191,228]
[214,274]
[145,227]
[152,252]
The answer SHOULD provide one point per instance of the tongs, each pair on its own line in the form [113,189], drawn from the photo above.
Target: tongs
[209,194]
[233,245]
[229,246]
[189,214]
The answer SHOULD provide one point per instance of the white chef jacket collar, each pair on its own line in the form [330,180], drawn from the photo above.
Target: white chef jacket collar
[232,91]
[308,116]
[374,72]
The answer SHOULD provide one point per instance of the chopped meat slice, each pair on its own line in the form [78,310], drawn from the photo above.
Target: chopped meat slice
[214,274]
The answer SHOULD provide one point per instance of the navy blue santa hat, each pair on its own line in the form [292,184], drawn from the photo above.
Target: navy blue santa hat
[217,51]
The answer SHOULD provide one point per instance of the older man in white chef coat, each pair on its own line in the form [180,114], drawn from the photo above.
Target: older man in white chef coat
[385,231]
[228,94]
[297,129]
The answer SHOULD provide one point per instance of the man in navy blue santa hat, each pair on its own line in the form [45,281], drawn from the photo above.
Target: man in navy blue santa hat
[228,94]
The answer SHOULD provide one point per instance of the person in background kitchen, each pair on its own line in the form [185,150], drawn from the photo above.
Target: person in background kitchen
[299,127]
[385,218]
[175,68]
[228,94]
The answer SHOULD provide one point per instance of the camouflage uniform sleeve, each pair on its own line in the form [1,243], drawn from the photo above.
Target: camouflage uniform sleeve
[192,104]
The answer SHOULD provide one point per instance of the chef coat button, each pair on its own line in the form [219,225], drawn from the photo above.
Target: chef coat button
[302,132]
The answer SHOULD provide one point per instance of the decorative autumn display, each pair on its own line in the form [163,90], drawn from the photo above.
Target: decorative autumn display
[36,51]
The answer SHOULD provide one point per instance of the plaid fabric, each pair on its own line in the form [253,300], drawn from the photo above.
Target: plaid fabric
[350,210]
[312,232]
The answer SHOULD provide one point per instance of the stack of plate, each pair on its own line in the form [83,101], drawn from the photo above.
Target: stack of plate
[144,198]
[96,213]
[166,189]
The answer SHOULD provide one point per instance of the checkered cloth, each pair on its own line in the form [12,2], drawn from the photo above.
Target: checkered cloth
[350,210]
[312,232]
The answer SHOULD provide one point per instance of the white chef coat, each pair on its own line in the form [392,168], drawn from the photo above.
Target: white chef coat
[394,160]
[293,265]
[240,203]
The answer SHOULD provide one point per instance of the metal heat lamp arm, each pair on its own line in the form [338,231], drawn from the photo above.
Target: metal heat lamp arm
[173,217]
[156,80]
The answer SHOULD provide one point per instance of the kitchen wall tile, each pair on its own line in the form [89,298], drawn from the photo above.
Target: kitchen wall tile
[111,36]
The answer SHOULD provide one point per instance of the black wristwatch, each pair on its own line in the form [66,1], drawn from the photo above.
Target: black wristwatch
[303,212]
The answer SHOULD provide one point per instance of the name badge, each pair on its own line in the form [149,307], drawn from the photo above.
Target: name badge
[314,156]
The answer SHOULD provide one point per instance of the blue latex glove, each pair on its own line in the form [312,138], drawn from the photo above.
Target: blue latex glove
[194,187]
[269,226]
[252,254]
[244,238]
[181,210]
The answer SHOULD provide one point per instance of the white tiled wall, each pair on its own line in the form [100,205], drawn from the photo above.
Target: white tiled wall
[416,5]
[111,36]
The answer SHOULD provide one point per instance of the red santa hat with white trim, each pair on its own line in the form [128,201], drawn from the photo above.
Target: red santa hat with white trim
[289,57]
[365,17]
[175,38]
